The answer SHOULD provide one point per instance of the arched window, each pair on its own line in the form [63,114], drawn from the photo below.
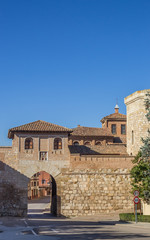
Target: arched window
[87,143]
[28,143]
[57,143]
[76,143]
[98,143]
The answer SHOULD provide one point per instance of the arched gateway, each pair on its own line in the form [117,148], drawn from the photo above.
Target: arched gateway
[42,188]
[34,150]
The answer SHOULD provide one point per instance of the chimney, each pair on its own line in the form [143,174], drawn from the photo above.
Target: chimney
[116,108]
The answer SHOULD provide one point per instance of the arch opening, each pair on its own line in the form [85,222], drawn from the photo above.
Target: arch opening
[42,194]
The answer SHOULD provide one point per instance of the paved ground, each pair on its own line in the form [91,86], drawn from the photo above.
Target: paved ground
[43,226]
[38,206]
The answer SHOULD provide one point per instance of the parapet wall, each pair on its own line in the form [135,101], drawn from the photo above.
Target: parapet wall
[100,162]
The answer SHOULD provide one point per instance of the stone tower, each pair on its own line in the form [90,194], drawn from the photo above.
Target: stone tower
[137,123]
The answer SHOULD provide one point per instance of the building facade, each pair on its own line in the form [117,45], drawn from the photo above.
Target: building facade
[39,185]
[113,131]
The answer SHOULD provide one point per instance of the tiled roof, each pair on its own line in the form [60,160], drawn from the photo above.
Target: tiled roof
[90,131]
[38,126]
[115,149]
[114,116]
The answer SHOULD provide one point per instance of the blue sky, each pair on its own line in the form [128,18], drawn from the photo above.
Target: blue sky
[66,61]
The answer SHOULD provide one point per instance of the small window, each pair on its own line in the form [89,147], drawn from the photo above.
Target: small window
[43,181]
[43,156]
[57,143]
[98,143]
[28,143]
[34,184]
[76,143]
[113,128]
[123,129]
[132,137]
[87,143]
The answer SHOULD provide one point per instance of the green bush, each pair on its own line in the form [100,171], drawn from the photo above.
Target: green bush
[131,217]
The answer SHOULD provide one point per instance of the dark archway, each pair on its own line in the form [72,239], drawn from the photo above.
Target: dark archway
[54,197]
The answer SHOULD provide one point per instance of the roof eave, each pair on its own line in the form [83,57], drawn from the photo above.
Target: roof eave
[11,133]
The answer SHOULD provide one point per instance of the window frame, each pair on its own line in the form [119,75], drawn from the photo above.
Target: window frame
[123,132]
[56,143]
[40,153]
[112,130]
[29,138]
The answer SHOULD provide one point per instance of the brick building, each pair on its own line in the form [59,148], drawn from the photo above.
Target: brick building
[116,123]
[113,131]
[39,185]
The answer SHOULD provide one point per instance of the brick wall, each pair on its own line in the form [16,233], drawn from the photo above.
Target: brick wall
[100,162]
[93,140]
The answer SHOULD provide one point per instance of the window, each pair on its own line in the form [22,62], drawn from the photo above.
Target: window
[43,181]
[28,143]
[113,128]
[76,143]
[98,143]
[87,143]
[132,137]
[123,129]
[34,184]
[43,156]
[57,143]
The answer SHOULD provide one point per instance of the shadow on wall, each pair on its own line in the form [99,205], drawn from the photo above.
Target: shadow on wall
[13,191]
[82,150]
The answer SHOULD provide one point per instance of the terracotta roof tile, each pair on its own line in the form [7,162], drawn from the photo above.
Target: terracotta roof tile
[90,131]
[38,126]
[114,116]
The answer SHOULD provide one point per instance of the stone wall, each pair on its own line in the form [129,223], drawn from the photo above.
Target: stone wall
[137,123]
[88,192]
[13,191]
